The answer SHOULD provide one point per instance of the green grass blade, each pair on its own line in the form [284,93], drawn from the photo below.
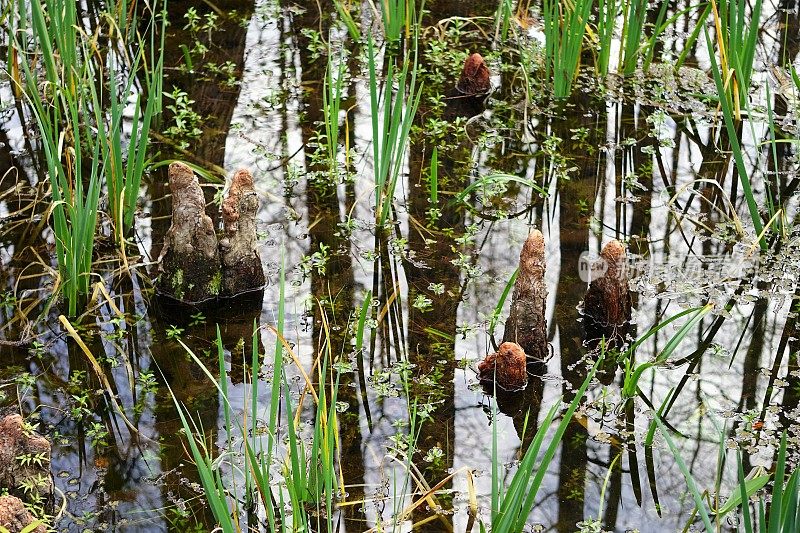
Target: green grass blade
[698,499]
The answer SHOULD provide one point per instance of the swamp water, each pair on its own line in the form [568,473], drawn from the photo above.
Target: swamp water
[403,313]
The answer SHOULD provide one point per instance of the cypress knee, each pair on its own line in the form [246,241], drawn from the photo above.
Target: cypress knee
[507,368]
[190,264]
[17,441]
[474,79]
[241,264]
[526,324]
[607,305]
[607,308]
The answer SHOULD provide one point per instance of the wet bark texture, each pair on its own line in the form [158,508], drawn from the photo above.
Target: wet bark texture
[24,460]
[241,264]
[474,78]
[15,517]
[507,368]
[190,264]
[607,306]
[526,324]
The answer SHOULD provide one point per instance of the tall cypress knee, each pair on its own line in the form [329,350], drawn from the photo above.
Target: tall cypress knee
[526,324]
[241,264]
[190,264]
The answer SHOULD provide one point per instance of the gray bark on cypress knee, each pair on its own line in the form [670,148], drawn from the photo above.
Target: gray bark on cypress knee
[527,324]
[241,264]
[190,263]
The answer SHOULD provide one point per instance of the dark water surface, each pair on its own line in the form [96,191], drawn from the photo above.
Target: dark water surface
[615,162]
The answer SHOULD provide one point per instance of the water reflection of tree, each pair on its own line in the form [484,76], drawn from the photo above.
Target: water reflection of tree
[332,289]
[215,100]
[435,282]
[432,326]
[573,241]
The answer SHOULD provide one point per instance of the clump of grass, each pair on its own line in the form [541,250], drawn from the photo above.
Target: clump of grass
[332,98]
[607,16]
[731,117]
[397,18]
[63,109]
[305,498]
[124,174]
[392,118]
[635,16]
[503,17]
[79,111]
[737,36]
[564,28]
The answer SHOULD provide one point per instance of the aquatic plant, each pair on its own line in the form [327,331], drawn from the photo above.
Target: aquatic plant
[564,28]
[63,112]
[730,117]
[503,17]
[397,17]
[780,515]
[124,175]
[736,39]
[633,372]
[392,118]
[491,180]
[331,105]
[633,44]
[343,9]
[310,479]
[648,49]
[433,187]
[80,123]
[511,507]
[607,11]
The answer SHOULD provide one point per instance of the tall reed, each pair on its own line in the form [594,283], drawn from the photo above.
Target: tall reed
[124,174]
[730,119]
[503,17]
[607,11]
[305,498]
[63,109]
[331,106]
[392,118]
[397,18]
[79,111]
[634,14]
[564,28]
[737,37]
